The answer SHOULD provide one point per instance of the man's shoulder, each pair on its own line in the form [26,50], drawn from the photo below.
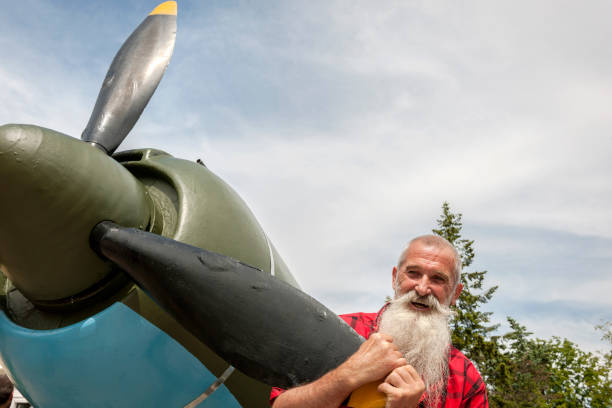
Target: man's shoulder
[366,318]
[362,323]
[459,362]
[360,316]
[458,359]
[464,376]
[457,354]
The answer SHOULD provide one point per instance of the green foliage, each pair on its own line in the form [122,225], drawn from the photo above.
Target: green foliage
[522,372]
[606,329]
[549,373]
[471,326]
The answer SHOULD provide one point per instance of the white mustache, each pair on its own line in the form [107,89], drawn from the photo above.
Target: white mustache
[429,300]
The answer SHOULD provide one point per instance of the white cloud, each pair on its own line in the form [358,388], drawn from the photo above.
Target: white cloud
[344,126]
[581,332]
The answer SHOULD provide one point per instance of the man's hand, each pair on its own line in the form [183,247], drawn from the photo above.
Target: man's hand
[403,387]
[374,359]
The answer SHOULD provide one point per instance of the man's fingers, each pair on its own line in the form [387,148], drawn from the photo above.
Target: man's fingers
[408,373]
[412,372]
[400,376]
[405,374]
[382,343]
[375,359]
[386,388]
[401,362]
[381,336]
[395,379]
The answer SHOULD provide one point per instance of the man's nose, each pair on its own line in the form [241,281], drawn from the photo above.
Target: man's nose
[422,288]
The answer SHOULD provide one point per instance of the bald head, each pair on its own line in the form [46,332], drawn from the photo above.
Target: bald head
[440,243]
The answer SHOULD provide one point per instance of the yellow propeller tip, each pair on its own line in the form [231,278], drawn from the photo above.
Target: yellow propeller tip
[167,7]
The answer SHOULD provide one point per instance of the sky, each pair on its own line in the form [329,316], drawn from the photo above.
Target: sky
[346,124]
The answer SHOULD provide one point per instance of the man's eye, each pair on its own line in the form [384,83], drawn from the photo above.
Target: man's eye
[439,279]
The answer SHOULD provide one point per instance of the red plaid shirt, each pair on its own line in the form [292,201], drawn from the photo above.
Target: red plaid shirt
[465,386]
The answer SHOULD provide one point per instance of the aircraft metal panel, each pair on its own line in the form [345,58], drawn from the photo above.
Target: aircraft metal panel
[114,358]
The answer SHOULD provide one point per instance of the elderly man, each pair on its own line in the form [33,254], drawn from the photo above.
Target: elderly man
[6,390]
[408,348]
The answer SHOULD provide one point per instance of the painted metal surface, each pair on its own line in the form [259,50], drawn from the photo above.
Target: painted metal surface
[212,389]
[112,359]
[55,189]
[189,204]
[67,342]
[209,213]
[132,78]
[263,326]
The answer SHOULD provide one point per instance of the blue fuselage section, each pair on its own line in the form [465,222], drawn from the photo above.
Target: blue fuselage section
[115,358]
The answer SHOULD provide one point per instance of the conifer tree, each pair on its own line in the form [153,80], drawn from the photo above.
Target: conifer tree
[471,326]
[521,372]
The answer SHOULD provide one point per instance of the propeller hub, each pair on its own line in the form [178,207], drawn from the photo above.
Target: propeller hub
[55,189]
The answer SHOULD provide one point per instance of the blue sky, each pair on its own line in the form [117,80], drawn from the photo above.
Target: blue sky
[345,125]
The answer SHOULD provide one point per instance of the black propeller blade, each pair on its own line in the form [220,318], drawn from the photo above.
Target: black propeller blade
[261,325]
[132,78]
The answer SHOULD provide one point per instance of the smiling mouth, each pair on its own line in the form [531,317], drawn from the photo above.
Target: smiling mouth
[419,305]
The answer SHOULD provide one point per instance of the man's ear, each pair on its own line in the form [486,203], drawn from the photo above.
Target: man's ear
[393,276]
[458,290]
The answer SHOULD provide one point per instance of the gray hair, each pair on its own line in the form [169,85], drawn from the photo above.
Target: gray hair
[437,242]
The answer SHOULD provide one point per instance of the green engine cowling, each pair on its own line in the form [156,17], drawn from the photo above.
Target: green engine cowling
[194,206]
[55,189]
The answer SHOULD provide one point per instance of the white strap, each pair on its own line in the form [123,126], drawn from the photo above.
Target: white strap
[213,387]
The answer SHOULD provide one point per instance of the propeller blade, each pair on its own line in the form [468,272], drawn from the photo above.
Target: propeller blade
[261,325]
[132,78]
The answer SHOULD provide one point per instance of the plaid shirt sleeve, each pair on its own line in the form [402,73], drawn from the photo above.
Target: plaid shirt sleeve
[466,389]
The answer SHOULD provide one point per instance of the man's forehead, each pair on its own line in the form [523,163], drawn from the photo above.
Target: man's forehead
[418,249]
[419,257]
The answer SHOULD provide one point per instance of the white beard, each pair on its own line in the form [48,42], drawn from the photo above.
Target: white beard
[423,337]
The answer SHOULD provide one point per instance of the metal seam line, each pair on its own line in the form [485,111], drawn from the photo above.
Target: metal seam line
[272,264]
[213,387]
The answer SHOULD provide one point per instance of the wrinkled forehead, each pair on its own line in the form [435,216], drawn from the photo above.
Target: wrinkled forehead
[420,249]
[442,258]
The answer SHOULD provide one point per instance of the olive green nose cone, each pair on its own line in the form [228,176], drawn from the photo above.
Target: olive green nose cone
[53,190]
